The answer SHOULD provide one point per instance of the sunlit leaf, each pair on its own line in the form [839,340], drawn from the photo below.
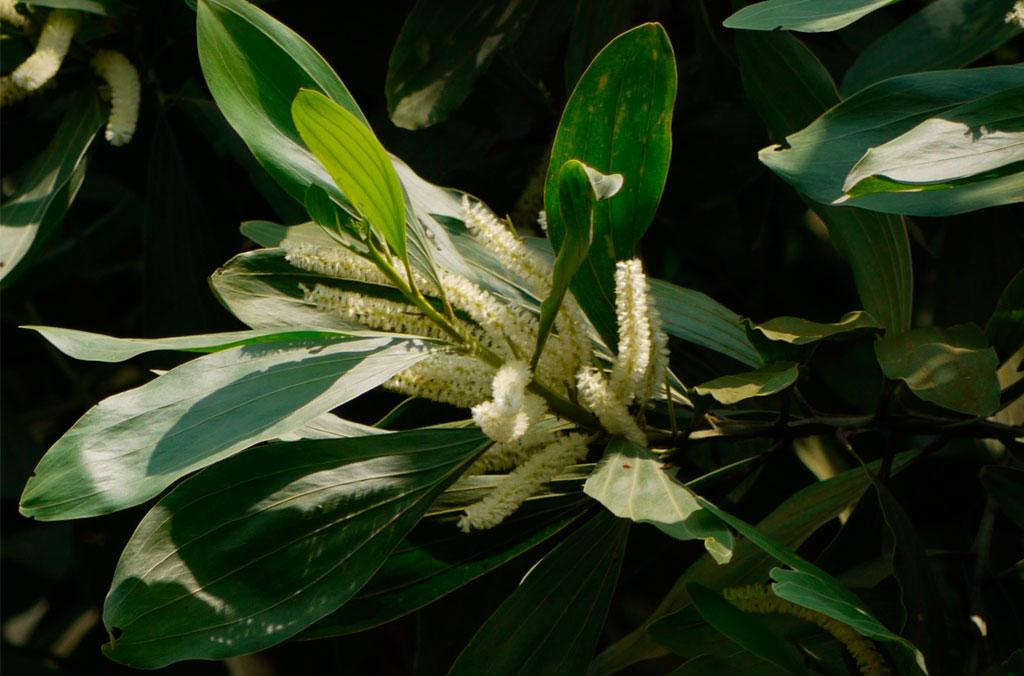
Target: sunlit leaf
[799,331]
[807,16]
[767,380]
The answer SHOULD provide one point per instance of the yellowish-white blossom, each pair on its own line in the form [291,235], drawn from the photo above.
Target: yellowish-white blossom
[1016,15]
[372,312]
[455,379]
[44,62]
[506,456]
[10,14]
[599,398]
[125,94]
[634,355]
[512,411]
[524,481]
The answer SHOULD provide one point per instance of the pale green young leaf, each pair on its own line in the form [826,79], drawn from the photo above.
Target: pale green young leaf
[767,380]
[806,16]
[256,548]
[356,161]
[632,483]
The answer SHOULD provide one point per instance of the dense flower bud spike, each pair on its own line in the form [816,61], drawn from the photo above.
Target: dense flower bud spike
[125,92]
[523,482]
[630,371]
[759,599]
[598,397]
[43,64]
[511,412]
[504,457]
[506,246]
[338,262]
[371,312]
[10,14]
[1016,15]
[454,379]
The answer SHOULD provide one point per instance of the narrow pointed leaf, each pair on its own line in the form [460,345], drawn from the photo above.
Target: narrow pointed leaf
[551,622]
[133,445]
[953,368]
[767,380]
[356,161]
[618,120]
[806,16]
[632,484]
[251,551]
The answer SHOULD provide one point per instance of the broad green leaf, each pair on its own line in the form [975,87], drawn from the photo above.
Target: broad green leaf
[817,159]
[770,379]
[790,524]
[254,67]
[751,632]
[632,484]
[98,347]
[579,186]
[41,188]
[699,319]
[811,587]
[878,250]
[256,548]
[100,7]
[784,80]
[805,16]
[271,235]
[356,161]
[330,426]
[1005,328]
[797,331]
[133,445]
[618,120]
[942,34]
[953,368]
[552,621]
[436,559]
[593,26]
[1006,486]
[441,51]
[972,140]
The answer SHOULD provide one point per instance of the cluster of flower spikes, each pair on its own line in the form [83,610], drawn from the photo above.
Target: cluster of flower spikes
[499,398]
[40,68]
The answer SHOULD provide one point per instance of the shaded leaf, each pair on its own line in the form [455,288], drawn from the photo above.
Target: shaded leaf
[551,622]
[770,379]
[618,120]
[133,445]
[258,547]
[817,159]
[631,483]
[797,331]
[953,368]
[806,16]
[324,212]
[942,34]
[1006,486]
[441,51]
[1005,328]
[751,632]
[41,189]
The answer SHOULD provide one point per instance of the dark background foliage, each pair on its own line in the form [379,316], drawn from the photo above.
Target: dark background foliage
[155,218]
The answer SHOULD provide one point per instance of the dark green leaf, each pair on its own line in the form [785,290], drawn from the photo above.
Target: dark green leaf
[967,142]
[806,16]
[133,445]
[551,623]
[254,67]
[437,559]
[632,484]
[749,631]
[594,25]
[324,212]
[953,368]
[942,34]
[98,347]
[271,235]
[441,51]
[817,159]
[42,187]
[1005,328]
[699,319]
[790,524]
[579,186]
[618,120]
[258,547]
[797,331]
[1006,486]
[356,161]
[770,379]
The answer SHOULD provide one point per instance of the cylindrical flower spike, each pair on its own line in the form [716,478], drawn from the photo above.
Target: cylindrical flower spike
[630,371]
[54,41]
[510,413]
[1016,15]
[10,14]
[598,397]
[125,93]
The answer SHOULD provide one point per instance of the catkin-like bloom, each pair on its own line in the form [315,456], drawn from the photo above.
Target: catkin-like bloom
[10,14]
[599,398]
[374,313]
[504,457]
[759,599]
[510,413]
[54,41]
[125,93]
[339,262]
[1016,15]
[523,482]
[454,379]
[630,371]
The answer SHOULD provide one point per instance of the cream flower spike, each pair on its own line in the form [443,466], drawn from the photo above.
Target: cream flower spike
[510,413]
[630,371]
[54,41]
[454,379]
[1016,15]
[507,247]
[523,482]
[601,400]
[125,94]
[10,14]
